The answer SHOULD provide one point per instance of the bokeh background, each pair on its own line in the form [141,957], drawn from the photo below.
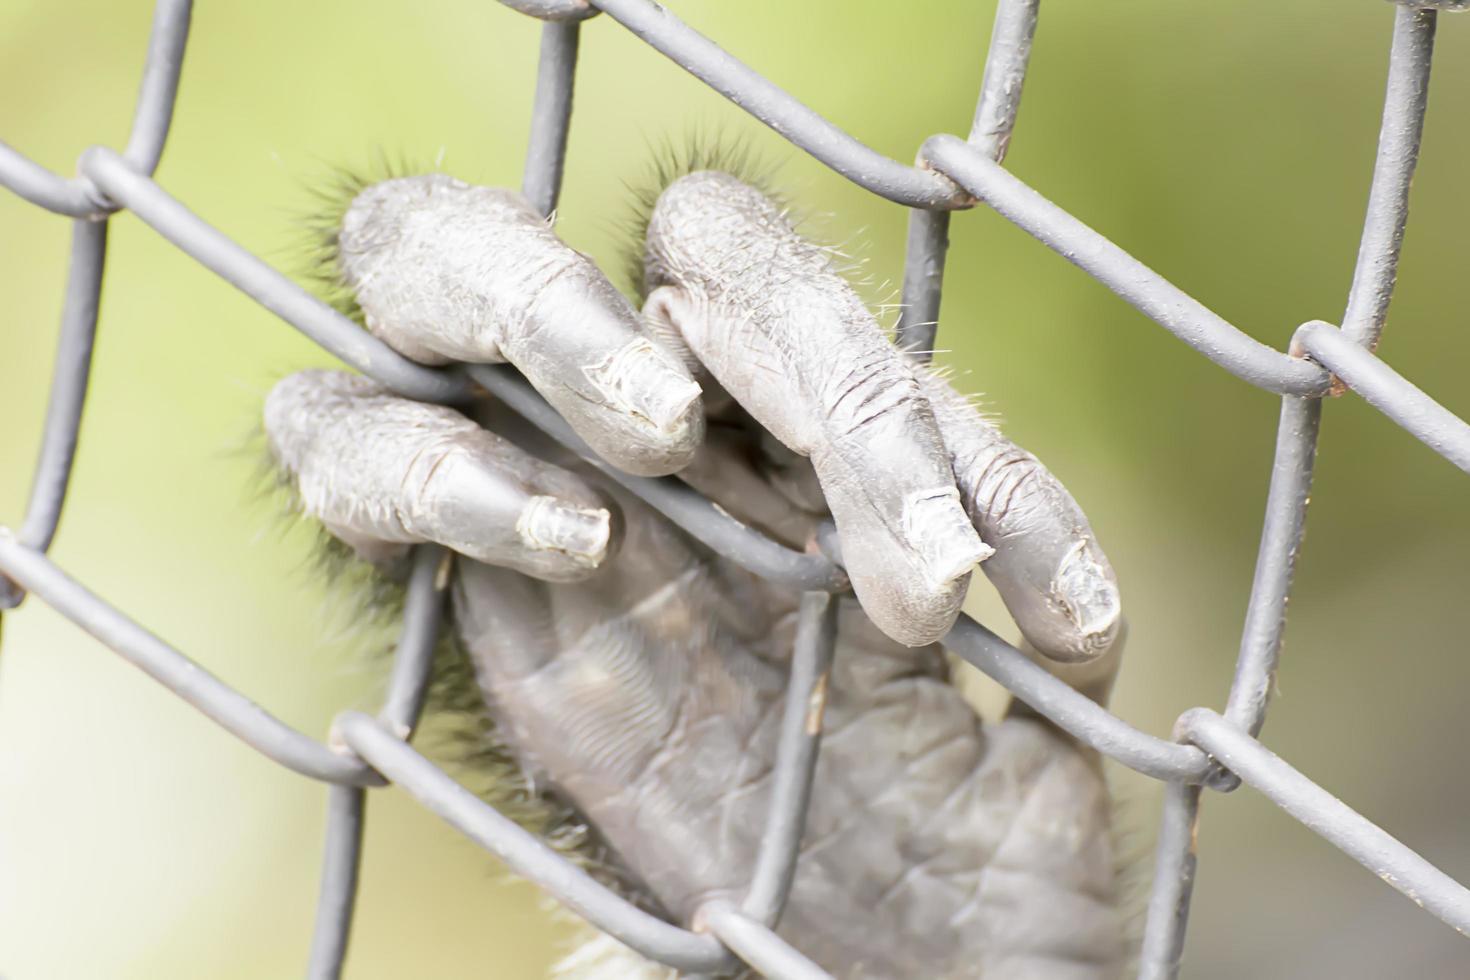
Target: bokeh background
[1228,145]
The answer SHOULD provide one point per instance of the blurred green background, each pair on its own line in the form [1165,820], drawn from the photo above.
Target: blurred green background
[1227,145]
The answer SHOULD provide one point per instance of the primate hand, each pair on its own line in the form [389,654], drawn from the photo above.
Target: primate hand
[639,677]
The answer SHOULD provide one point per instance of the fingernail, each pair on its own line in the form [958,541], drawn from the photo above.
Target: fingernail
[582,533]
[939,530]
[1087,593]
[645,382]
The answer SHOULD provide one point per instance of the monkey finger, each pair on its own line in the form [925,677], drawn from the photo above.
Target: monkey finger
[447,271]
[378,470]
[1047,566]
[764,312]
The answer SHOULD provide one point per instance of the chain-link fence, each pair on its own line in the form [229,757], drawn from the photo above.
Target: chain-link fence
[1218,751]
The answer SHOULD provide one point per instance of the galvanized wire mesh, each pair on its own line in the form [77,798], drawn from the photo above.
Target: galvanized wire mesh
[1218,751]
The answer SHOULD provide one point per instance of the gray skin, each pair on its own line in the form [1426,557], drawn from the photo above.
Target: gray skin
[641,676]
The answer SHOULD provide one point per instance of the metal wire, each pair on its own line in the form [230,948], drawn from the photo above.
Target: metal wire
[1207,751]
[796,758]
[68,391]
[990,133]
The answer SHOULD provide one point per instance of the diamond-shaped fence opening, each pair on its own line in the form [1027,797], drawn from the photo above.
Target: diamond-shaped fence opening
[1207,750]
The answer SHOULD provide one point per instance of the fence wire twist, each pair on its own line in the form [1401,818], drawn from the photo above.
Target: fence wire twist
[1207,749]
